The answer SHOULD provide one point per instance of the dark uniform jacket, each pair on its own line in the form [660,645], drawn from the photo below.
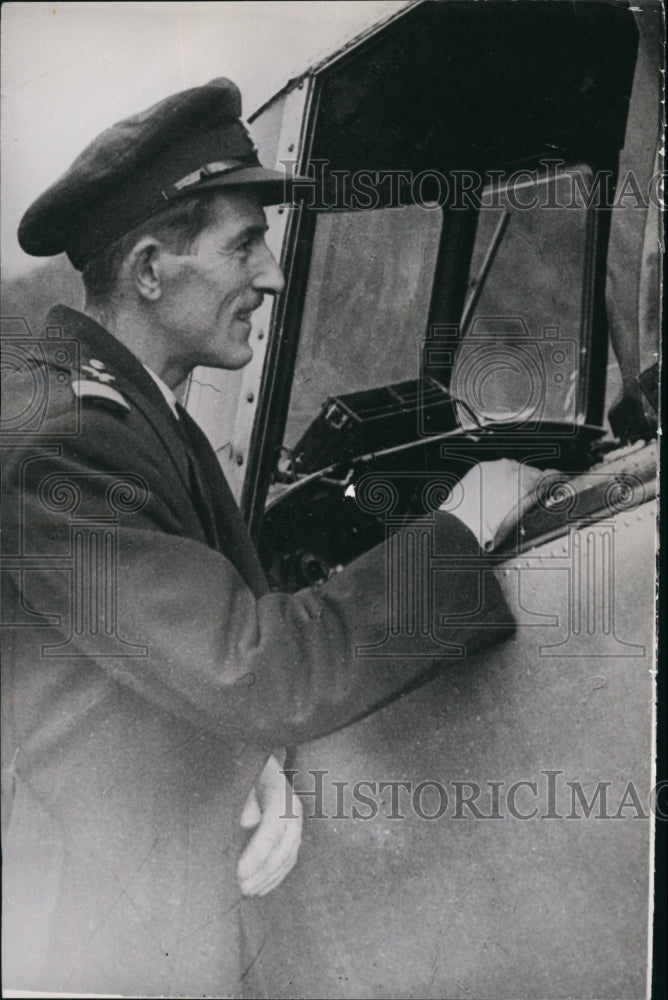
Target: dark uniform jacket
[148,670]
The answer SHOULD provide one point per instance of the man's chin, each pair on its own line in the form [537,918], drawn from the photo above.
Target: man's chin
[232,362]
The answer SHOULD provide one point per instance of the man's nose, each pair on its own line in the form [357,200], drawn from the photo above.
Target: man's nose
[269,277]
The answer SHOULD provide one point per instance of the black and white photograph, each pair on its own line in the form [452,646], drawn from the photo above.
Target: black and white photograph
[331,352]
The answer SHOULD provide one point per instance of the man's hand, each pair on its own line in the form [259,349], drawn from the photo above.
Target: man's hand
[272,851]
[496,494]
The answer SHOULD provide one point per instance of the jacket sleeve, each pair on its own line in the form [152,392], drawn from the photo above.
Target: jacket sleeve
[170,617]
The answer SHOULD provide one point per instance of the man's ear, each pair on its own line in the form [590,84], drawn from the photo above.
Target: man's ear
[143,265]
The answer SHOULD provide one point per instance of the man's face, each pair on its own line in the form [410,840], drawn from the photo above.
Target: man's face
[210,292]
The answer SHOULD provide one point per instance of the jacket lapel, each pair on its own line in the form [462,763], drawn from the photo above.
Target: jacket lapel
[232,535]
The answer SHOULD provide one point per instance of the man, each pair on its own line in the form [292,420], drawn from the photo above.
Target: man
[150,675]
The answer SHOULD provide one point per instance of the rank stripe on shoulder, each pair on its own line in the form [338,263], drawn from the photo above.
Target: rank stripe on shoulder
[88,389]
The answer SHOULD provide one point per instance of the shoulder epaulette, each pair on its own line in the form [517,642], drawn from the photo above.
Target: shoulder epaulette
[87,389]
[95,385]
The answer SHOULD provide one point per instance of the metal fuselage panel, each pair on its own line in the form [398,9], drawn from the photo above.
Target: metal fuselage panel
[520,893]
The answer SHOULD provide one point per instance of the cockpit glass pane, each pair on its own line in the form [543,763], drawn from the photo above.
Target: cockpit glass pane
[522,355]
[366,307]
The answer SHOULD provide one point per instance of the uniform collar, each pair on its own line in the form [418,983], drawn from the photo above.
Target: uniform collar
[106,359]
[97,344]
